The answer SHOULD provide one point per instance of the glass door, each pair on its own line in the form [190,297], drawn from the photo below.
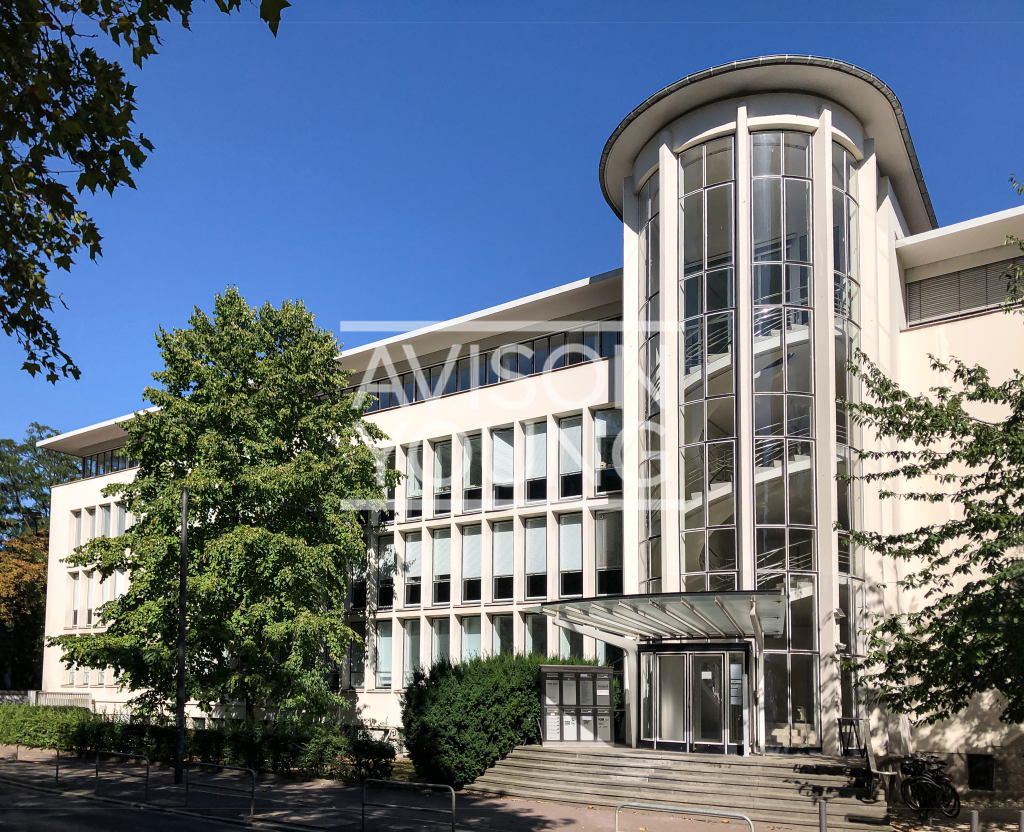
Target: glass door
[672,699]
[708,699]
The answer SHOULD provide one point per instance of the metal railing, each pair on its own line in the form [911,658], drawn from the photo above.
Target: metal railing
[676,810]
[850,743]
[397,784]
[142,757]
[219,789]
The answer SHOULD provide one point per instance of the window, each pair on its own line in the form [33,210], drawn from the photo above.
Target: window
[359,586]
[502,547]
[537,634]
[101,676]
[472,474]
[607,451]
[609,552]
[90,523]
[414,482]
[503,467]
[981,772]
[121,519]
[357,655]
[536,557]
[570,457]
[960,293]
[570,644]
[442,478]
[388,514]
[570,555]
[71,620]
[383,654]
[501,634]
[385,572]
[413,568]
[442,556]
[536,461]
[119,583]
[470,637]
[86,675]
[471,564]
[440,639]
[89,596]
[105,462]
[69,679]
[411,650]
[76,520]
[105,520]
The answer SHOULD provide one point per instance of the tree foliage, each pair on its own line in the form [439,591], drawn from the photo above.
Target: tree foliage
[968,636]
[66,126]
[251,419]
[26,475]
[22,609]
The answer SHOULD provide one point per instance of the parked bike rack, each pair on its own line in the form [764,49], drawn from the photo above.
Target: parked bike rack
[142,757]
[399,784]
[676,810]
[214,787]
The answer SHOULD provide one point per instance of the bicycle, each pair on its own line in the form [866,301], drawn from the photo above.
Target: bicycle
[927,786]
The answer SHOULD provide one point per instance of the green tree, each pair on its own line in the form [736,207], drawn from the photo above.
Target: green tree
[26,475]
[250,417]
[67,112]
[968,637]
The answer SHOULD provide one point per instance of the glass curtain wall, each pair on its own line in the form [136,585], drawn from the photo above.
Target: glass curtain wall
[707,382]
[650,393]
[784,495]
[846,282]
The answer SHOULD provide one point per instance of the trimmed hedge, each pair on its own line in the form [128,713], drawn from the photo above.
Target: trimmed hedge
[313,749]
[460,718]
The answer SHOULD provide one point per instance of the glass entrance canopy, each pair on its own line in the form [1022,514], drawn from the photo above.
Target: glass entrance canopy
[674,615]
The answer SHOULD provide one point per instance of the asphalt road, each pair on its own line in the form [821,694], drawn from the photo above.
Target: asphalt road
[24,810]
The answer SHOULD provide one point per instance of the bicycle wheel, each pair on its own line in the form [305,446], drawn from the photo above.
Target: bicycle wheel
[913,793]
[949,801]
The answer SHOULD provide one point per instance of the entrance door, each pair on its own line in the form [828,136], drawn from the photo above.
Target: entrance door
[708,699]
[672,699]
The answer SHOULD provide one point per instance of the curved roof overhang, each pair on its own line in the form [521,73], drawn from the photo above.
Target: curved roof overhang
[866,96]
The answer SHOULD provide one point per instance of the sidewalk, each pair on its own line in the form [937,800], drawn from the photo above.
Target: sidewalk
[328,805]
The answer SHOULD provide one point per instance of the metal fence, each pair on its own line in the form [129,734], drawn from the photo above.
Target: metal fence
[76,700]
[118,754]
[676,810]
[218,788]
[397,784]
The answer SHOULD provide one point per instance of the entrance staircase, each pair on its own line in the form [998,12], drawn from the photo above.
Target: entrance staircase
[781,790]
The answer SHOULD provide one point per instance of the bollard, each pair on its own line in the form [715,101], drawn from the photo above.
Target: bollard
[974,820]
[823,815]
[1020,821]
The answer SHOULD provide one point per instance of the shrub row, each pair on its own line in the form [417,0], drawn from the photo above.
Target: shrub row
[459,718]
[314,749]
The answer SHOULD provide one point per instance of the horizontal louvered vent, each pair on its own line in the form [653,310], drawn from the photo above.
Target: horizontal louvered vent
[959,293]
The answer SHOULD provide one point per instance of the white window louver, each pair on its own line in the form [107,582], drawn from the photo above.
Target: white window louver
[570,445]
[536,450]
[442,552]
[471,552]
[414,471]
[570,543]
[502,543]
[414,555]
[536,546]
[503,456]
[609,540]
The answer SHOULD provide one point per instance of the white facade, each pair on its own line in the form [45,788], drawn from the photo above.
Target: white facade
[774,218]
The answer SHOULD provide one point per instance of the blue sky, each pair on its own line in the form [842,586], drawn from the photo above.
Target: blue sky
[436,158]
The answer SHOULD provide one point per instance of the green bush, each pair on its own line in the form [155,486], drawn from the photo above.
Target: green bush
[372,759]
[460,718]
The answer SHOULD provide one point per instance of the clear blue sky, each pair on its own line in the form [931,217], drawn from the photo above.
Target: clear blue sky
[437,158]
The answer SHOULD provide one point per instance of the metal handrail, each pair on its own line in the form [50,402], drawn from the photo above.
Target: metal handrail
[679,811]
[142,757]
[218,788]
[402,784]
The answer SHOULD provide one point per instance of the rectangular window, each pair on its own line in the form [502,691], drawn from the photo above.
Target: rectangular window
[76,518]
[442,478]
[413,568]
[71,620]
[472,474]
[414,482]
[388,514]
[501,560]
[536,461]
[86,676]
[607,451]
[383,654]
[442,556]
[89,596]
[411,651]
[471,564]
[501,634]
[90,522]
[470,637]
[570,555]
[69,679]
[570,644]
[536,557]
[119,583]
[357,655]
[440,640]
[609,552]
[359,586]
[121,520]
[385,572]
[503,456]
[105,520]
[981,772]
[537,634]
[570,457]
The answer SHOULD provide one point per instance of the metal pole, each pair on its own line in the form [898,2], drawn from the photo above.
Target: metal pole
[823,815]
[179,705]
[1020,821]
[974,820]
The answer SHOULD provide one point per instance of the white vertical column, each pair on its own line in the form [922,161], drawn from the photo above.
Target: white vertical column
[486,564]
[825,434]
[744,356]
[668,207]
[631,413]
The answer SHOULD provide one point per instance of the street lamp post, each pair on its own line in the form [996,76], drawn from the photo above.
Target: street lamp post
[179,704]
